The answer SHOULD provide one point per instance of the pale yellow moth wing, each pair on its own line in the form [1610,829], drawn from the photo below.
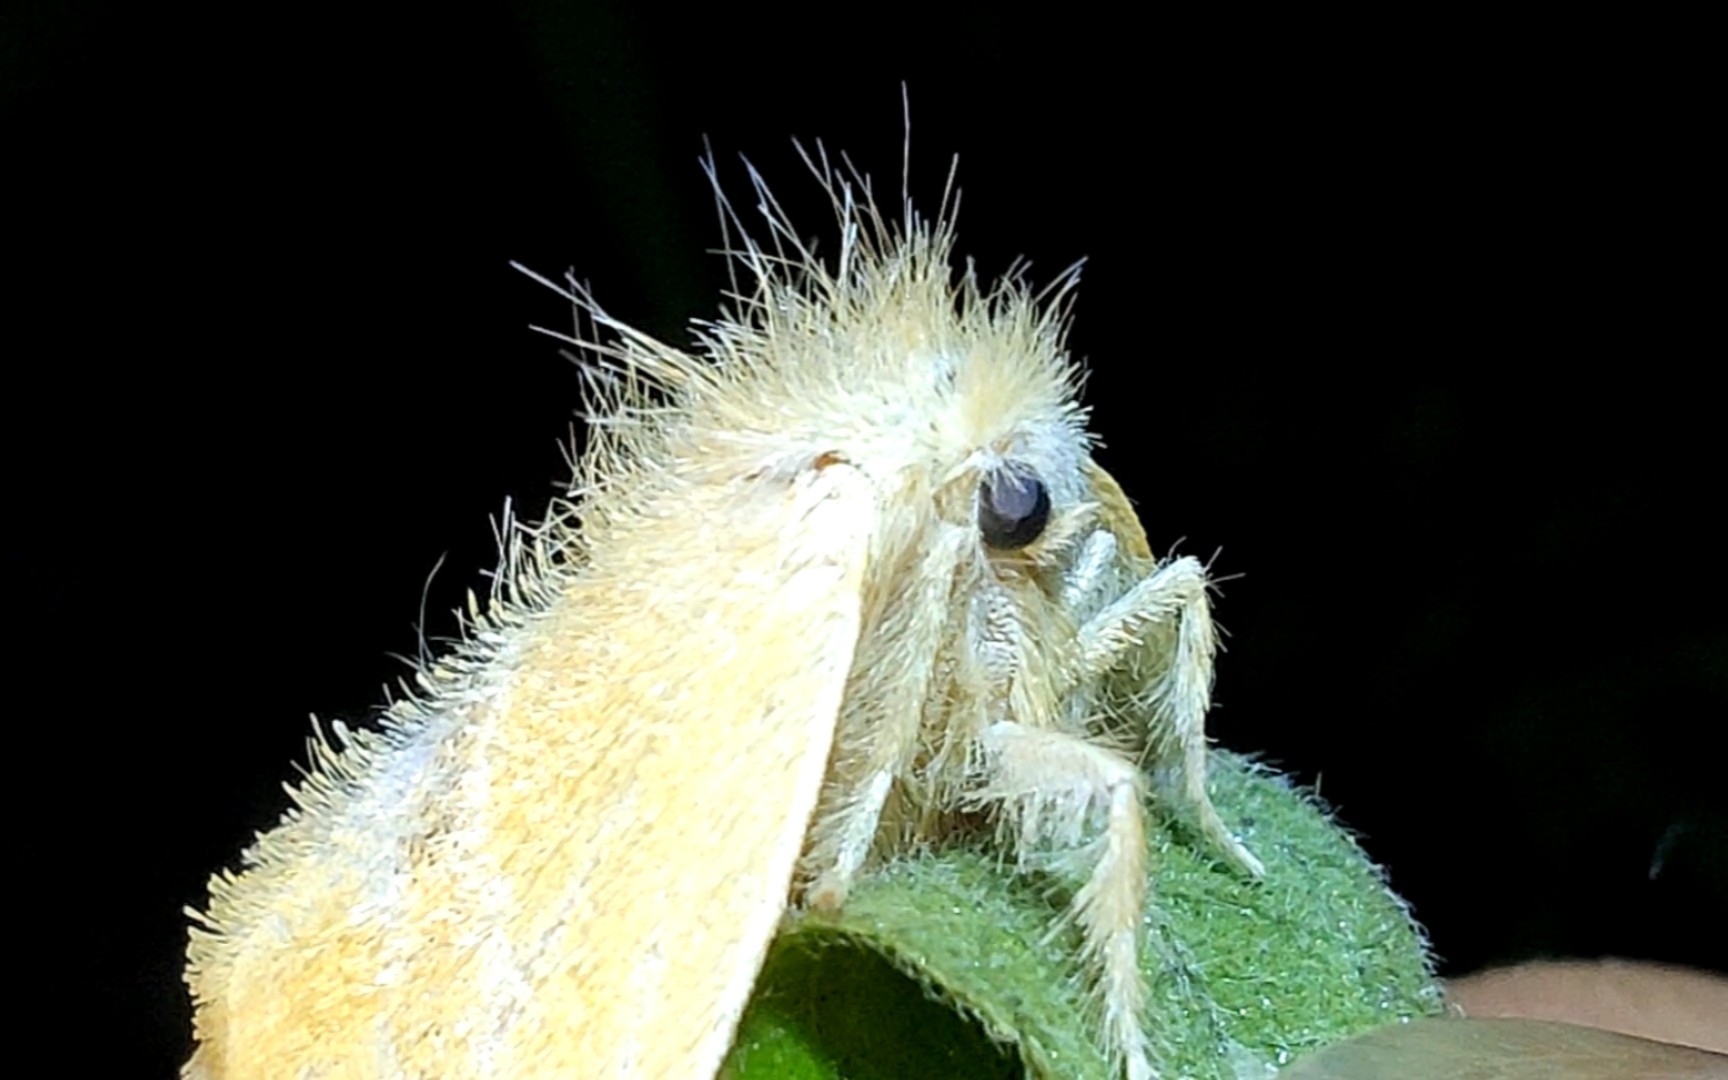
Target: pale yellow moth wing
[1117,514]
[707,812]
[591,890]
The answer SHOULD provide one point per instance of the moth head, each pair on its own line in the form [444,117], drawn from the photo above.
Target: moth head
[1032,497]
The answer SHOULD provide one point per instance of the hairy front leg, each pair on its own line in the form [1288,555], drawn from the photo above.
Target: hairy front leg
[880,731]
[1175,594]
[1058,793]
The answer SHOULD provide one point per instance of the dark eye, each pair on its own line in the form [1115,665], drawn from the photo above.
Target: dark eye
[1013,507]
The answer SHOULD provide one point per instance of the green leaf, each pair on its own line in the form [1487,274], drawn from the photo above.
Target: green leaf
[948,964]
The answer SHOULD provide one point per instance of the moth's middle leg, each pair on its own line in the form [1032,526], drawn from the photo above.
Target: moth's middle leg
[1055,790]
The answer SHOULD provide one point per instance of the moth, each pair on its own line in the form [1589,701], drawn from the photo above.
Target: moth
[842,581]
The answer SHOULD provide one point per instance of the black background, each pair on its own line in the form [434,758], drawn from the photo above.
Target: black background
[1404,320]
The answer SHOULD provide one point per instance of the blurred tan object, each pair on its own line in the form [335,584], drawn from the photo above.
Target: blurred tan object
[1653,1001]
[1551,1020]
[1504,1050]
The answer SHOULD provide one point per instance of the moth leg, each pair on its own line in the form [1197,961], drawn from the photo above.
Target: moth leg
[1090,572]
[1053,789]
[1174,593]
[844,839]
[843,836]
[876,749]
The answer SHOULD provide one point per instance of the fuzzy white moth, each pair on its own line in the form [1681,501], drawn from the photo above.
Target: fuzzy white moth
[841,583]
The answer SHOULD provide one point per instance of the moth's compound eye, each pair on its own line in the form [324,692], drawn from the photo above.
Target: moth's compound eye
[1013,507]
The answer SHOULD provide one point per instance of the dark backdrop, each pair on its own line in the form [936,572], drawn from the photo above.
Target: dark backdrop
[1405,321]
